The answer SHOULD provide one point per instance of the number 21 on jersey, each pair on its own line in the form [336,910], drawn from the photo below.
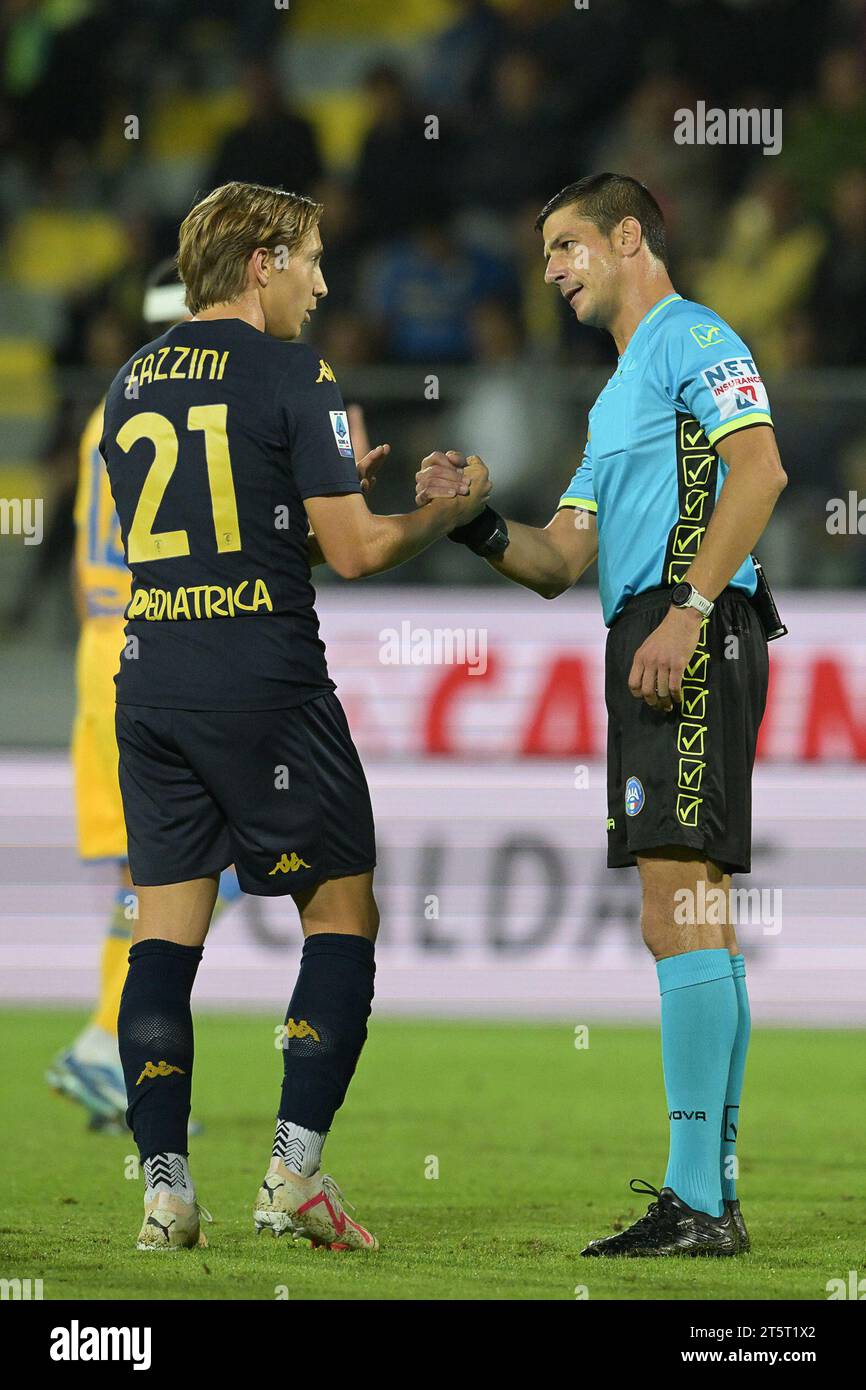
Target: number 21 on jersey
[146,544]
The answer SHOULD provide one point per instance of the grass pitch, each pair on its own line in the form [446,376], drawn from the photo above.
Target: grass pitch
[533,1140]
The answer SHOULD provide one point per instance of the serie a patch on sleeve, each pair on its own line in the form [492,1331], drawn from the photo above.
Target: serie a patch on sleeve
[340,426]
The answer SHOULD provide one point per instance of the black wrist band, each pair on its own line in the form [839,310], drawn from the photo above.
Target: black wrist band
[477,534]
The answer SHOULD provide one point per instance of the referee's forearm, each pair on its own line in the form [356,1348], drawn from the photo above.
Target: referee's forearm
[533,560]
[745,505]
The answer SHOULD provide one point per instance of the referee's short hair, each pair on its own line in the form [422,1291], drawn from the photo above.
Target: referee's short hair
[605,199]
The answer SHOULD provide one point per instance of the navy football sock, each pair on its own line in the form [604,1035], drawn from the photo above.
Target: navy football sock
[326,1027]
[154,1034]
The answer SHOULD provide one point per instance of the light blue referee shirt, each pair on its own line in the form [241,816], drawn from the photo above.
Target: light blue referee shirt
[650,470]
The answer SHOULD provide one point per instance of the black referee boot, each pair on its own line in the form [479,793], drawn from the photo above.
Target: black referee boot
[670,1227]
[733,1206]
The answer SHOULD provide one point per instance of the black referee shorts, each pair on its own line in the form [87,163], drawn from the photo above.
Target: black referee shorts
[280,794]
[685,778]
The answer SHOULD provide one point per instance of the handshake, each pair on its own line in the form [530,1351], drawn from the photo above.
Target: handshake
[453,475]
[451,494]
[466,484]
[461,484]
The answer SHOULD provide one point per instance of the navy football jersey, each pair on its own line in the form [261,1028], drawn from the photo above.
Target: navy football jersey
[214,435]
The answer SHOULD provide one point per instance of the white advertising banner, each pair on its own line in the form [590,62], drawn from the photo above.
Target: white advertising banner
[497,670]
[495,898]
[480,717]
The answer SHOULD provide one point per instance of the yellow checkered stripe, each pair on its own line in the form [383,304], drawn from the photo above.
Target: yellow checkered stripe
[692,732]
[697,471]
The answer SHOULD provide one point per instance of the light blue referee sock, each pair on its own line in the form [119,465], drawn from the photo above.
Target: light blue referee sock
[699,1024]
[731,1119]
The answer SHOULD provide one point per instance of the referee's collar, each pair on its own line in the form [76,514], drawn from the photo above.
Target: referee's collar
[648,318]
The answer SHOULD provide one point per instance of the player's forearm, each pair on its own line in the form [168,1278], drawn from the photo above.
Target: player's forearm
[744,506]
[534,560]
[393,540]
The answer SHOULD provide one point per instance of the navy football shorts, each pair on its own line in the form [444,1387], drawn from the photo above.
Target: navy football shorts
[280,794]
[685,778]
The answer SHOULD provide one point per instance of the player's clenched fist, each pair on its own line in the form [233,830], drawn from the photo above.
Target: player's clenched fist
[442,475]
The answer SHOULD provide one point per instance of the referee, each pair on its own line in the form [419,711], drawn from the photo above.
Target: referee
[677,482]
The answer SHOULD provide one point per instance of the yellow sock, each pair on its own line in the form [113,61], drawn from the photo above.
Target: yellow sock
[113,967]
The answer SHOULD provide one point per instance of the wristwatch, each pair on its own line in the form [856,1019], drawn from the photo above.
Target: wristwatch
[685,595]
[486,535]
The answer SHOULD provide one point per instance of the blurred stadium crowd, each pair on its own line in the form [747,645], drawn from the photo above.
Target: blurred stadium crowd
[114,116]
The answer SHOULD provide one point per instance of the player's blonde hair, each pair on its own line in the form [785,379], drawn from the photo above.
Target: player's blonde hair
[220,233]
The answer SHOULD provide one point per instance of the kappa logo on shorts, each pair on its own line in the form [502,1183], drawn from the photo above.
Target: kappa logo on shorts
[634,796]
[289,864]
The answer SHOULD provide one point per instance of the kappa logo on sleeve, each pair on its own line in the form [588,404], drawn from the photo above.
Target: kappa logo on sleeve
[736,387]
[340,426]
[326,372]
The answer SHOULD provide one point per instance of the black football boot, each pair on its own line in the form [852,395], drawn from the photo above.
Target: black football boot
[733,1206]
[670,1227]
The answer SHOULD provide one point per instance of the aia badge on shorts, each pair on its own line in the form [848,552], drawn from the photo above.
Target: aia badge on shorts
[634,796]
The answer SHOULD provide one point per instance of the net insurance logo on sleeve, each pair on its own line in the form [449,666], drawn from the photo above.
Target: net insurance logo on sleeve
[340,426]
[736,386]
